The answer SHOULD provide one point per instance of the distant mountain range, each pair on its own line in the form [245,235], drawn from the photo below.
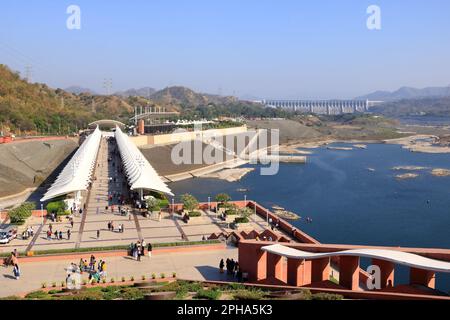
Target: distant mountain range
[432,106]
[407,93]
[79,90]
[142,92]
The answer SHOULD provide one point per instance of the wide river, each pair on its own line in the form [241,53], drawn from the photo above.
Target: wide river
[349,203]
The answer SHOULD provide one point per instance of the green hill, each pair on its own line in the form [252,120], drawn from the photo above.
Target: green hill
[36,108]
[39,108]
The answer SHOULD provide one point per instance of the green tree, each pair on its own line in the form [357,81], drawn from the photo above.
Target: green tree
[223,198]
[20,214]
[190,203]
[245,212]
[153,204]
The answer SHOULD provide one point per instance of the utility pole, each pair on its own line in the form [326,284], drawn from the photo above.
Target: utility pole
[107,84]
[28,73]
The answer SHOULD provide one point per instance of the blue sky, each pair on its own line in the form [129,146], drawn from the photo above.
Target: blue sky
[262,48]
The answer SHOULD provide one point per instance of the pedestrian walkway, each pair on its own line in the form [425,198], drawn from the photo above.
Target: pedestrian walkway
[201,265]
[90,229]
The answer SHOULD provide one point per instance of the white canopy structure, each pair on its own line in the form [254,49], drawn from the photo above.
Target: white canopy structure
[139,172]
[398,257]
[77,174]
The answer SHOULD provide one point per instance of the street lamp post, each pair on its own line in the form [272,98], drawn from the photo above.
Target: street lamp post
[42,213]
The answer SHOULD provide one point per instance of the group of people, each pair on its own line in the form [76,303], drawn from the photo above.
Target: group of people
[137,250]
[29,232]
[96,271]
[58,235]
[232,267]
[186,218]
[116,197]
[111,227]
[85,266]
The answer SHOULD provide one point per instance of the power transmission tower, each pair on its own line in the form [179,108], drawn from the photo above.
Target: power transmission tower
[107,85]
[28,73]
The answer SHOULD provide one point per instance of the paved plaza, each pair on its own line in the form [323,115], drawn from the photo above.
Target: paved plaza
[108,179]
[195,265]
[170,228]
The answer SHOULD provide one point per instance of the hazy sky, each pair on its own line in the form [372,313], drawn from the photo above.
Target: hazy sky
[268,49]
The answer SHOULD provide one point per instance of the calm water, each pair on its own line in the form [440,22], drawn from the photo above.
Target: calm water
[350,204]
[425,120]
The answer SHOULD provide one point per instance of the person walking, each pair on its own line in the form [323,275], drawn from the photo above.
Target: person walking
[221,265]
[135,253]
[98,234]
[68,234]
[149,249]
[71,223]
[16,271]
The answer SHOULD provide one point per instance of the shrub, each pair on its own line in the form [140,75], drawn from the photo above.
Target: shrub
[236,286]
[326,296]
[43,285]
[194,214]
[37,295]
[223,198]
[143,277]
[112,280]
[163,275]
[8,298]
[54,291]
[211,294]
[103,280]
[241,220]
[174,274]
[248,295]
[163,203]
[181,293]
[53,284]
[153,204]
[86,295]
[123,279]
[153,276]
[132,278]
[190,203]
[131,294]
[63,284]
[56,206]
[20,214]
[245,212]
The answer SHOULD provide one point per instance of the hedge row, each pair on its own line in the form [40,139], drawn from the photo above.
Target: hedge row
[113,248]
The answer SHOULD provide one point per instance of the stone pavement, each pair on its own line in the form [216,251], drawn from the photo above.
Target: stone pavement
[84,232]
[195,265]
